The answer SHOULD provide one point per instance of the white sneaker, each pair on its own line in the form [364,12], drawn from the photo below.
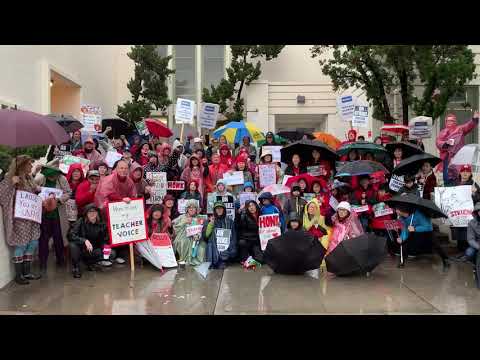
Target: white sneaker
[119,260]
[105,263]
[181,263]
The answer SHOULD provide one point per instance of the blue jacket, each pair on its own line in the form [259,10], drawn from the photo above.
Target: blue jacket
[212,254]
[420,222]
[272,209]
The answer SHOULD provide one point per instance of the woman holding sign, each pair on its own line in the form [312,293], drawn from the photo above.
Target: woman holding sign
[20,233]
[247,230]
[220,236]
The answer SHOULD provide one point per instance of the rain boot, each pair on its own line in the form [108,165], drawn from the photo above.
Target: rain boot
[27,273]
[19,279]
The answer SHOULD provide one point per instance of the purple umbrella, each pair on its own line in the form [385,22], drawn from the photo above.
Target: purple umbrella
[25,128]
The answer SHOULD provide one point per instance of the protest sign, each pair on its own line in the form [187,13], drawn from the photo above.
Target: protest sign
[396,183]
[223,239]
[317,170]
[68,160]
[392,225]
[175,185]
[112,157]
[28,206]
[229,203]
[420,127]
[345,106]
[71,210]
[233,178]
[184,111]
[47,192]
[360,209]
[275,149]
[267,174]
[308,196]
[163,248]
[91,118]
[339,164]
[268,228]
[381,209]
[62,150]
[208,114]
[455,202]
[210,201]
[194,230]
[142,128]
[159,187]
[360,116]
[182,204]
[201,219]
[333,203]
[246,196]
[126,222]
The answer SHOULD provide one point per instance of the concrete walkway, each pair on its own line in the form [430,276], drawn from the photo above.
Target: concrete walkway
[421,288]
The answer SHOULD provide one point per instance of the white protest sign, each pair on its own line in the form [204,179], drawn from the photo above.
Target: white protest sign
[360,209]
[68,160]
[71,210]
[28,206]
[163,248]
[268,228]
[208,114]
[210,201]
[159,188]
[194,230]
[223,239]
[246,196]
[142,128]
[112,157]
[184,111]
[333,203]
[420,127]
[47,192]
[126,222]
[229,203]
[275,149]
[267,174]
[345,106]
[360,115]
[396,183]
[233,178]
[455,202]
[317,170]
[91,118]
[381,209]
[182,204]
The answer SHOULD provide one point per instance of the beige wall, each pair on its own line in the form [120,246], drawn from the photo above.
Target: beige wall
[65,100]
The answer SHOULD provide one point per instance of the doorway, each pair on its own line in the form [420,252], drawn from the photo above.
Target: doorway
[308,123]
[64,95]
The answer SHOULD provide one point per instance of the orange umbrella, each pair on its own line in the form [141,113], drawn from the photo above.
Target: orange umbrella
[328,139]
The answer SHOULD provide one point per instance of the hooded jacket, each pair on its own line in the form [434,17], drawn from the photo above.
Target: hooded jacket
[74,186]
[247,226]
[226,159]
[84,196]
[418,220]
[83,230]
[271,209]
[198,174]
[473,229]
[111,188]
[141,183]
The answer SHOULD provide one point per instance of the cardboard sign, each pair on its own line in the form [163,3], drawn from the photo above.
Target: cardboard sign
[267,174]
[126,222]
[455,202]
[246,196]
[28,206]
[163,248]
[176,185]
[142,128]
[233,178]
[360,116]
[268,228]
[184,111]
[333,203]
[112,157]
[223,239]
[345,106]
[182,205]
[91,118]
[48,192]
[194,230]
[420,127]
[396,183]
[360,209]
[159,187]
[71,210]
[68,160]
[208,114]
[381,209]
[275,149]
[229,203]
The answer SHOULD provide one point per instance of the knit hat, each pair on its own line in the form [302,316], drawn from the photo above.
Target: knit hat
[221,181]
[248,184]
[466,167]
[344,205]
[265,196]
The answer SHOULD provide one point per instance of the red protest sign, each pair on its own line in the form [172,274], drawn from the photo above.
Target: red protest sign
[160,239]
[175,185]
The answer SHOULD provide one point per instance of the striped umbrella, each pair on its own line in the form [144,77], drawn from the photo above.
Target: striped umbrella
[235,131]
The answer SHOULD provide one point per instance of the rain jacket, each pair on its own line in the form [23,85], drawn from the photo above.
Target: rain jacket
[95,157]
[84,196]
[347,229]
[71,169]
[420,222]
[227,160]
[473,230]
[139,184]
[83,230]
[112,188]
[321,232]
[215,172]
[198,174]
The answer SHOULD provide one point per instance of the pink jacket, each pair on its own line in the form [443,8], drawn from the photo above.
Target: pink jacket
[347,229]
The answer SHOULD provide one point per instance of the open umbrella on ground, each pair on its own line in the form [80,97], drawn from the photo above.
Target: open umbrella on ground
[412,164]
[408,149]
[295,252]
[357,255]
[360,167]
[428,207]
[295,134]
[275,189]
[362,147]
[68,122]
[469,154]
[158,128]
[119,127]
[328,139]
[304,148]
[234,131]
[309,179]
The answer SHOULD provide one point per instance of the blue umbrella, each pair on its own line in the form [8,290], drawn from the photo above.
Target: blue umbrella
[235,131]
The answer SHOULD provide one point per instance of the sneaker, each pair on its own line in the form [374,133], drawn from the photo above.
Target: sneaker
[120,260]
[412,256]
[105,263]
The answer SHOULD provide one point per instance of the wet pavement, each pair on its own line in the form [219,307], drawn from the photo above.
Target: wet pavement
[420,288]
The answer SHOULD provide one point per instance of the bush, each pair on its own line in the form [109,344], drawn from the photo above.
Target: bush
[7,154]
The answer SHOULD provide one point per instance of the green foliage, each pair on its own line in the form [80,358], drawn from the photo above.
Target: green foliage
[242,71]
[149,86]
[7,154]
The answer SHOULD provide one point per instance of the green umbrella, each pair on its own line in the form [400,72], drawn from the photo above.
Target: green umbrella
[278,139]
[362,147]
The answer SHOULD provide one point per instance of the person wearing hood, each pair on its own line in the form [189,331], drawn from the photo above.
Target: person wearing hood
[168,161]
[296,167]
[314,222]
[75,177]
[294,222]
[152,165]
[247,231]
[90,153]
[20,234]
[142,155]
[241,165]
[221,238]
[87,238]
[221,190]
[85,193]
[190,249]
[170,205]
[410,186]
[142,188]
[295,204]
[473,236]
[345,226]
[226,156]
[194,170]
[158,220]
[182,160]
[246,144]
[54,215]
[137,144]
[191,192]
[215,172]
[268,208]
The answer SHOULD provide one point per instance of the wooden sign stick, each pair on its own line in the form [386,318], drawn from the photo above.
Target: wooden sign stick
[132,259]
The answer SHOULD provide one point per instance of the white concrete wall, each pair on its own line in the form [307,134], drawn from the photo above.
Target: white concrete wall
[6,266]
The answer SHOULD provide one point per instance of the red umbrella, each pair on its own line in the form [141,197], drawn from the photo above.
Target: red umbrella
[395,128]
[308,178]
[157,128]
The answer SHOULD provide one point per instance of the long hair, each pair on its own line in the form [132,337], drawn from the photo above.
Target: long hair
[17,167]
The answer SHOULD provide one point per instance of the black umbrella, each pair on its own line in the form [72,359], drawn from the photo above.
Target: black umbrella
[295,134]
[304,148]
[295,252]
[427,207]
[357,255]
[119,127]
[68,122]
[408,149]
[360,167]
[412,164]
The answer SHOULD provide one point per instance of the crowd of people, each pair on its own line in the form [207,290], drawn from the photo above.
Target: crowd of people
[330,208]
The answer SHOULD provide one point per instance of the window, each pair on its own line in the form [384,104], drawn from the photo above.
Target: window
[213,65]
[185,79]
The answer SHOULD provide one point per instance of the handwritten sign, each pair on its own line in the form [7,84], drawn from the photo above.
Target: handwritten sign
[126,222]
[267,174]
[275,149]
[176,185]
[112,157]
[159,188]
[381,209]
[396,183]
[28,206]
[455,202]
[233,178]
[268,228]
[247,196]
[223,239]
[48,192]
[163,248]
[91,118]
[68,160]
[194,230]
[182,205]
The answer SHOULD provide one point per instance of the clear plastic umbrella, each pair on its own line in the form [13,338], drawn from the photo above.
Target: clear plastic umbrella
[469,154]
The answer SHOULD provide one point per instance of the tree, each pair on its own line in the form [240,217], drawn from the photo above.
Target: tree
[378,69]
[241,73]
[149,86]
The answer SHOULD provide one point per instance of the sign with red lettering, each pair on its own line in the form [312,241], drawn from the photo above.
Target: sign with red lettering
[126,222]
[455,202]
[268,228]
[175,185]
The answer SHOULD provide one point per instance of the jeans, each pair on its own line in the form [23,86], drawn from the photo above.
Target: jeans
[471,253]
[27,249]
